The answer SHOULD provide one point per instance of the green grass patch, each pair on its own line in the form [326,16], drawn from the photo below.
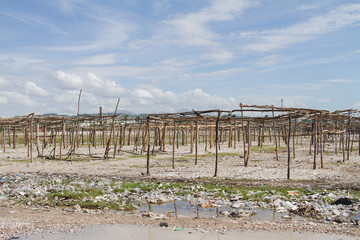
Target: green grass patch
[266,148]
[255,160]
[93,192]
[67,195]
[138,156]
[100,205]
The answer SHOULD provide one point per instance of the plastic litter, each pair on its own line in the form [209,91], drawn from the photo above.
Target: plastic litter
[178,229]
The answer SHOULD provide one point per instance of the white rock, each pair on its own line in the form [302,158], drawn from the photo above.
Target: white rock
[289,206]
[336,212]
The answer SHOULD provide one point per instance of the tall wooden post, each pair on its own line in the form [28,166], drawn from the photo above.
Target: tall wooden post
[293,139]
[249,143]
[164,139]
[196,141]
[37,138]
[343,139]
[315,141]
[321,141]
[216,143]
[243,131]
[62,137]
[173,146]
[230,137]
[348,135]
[31,138]
[14,137]
[148,146]
[211,137]
[191,138]
[274,126]
[106,155]
[3,140]
[288,147]
[234,136]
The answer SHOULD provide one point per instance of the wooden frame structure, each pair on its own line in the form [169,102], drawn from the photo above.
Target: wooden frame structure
[240,127]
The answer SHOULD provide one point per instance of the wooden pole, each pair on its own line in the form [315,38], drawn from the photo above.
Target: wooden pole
[37,138]
[343,139]
[243,131]
[148,146]
[359,139]
[62,137]
[315,142]
[348,136]
[31,138]
[211,137]
[191,138]
[173,146]
[321,141]
[216,143]
[164,139]
[234,136]
[3,140]
[196,141]
[335,136]
[288,148]
[274,126]
[249,143]
[106,155]
[294,133]
[14,137]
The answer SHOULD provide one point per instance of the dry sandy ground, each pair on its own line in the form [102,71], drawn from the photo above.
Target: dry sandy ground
[263,168]
[262,165]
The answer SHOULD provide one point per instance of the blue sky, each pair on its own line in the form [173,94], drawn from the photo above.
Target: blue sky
[176,55]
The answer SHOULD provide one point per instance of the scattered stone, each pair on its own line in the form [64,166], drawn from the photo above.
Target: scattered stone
[164,224]
[343,201]
[293,193]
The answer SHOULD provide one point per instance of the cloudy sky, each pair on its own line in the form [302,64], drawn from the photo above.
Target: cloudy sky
[175,55]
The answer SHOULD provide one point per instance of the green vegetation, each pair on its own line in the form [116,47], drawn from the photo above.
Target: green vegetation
[267,148]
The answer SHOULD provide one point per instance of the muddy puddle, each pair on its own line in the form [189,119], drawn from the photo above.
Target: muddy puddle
[184,208]
[130,232]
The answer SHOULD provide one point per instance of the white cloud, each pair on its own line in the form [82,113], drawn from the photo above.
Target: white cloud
[90,83]
[94,81]
[356,106]
[66,6]
[3,100]
[104,59]
[271,60]
[221,56]
[193,28]
[336,19]
[110,27]
[224,72]
[308,7]
[69,81]
[160,5]
[323,100]
[2,82]
[18,98]
[178,62]
[141,93]
[32,89]
[198,99]
[338,81]
[32,19]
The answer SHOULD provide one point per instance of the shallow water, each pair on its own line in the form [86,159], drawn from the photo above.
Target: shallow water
[183,208]
[130,232]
